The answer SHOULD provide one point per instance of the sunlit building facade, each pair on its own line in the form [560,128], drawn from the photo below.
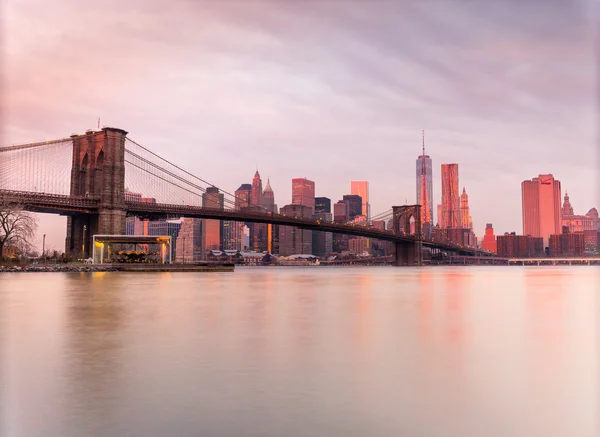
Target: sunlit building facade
[489,239]
[361,188]
[466,222]
[450,197]
[303,193]
[424,173]
[542,215]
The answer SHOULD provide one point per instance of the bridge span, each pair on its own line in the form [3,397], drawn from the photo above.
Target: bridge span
[102,163]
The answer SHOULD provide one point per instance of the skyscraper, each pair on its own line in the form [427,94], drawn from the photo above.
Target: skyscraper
[450,197]
[292,240]
[466,221]
[256,194]
[541,207]
[322,204]
[355,204]
[211,235]
[361,188]
[303,193]
[268,201]
[425,190]
[489,239]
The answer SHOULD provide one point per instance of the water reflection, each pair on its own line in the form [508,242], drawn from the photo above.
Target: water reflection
[302,351]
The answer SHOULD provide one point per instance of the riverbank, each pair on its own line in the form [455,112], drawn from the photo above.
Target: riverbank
[145,268]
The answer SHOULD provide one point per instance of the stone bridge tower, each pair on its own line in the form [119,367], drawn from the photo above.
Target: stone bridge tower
[407,219]
[98,171]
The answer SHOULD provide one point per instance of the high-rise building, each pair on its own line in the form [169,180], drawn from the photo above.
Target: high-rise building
[340,211]
[269,205]
[466,222]
[269,198]
[292,240]
[166,227]
[355,204]
[211,235]
[189,241]
[440,223]
[541,207]
[322,242]
[256,194]
[303,193]
[322,204]
[233,232]
[243,196]
[425,190]
[489,239]
[450,197]
[361,188]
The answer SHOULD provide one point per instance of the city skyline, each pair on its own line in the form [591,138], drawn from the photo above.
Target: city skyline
[507,117]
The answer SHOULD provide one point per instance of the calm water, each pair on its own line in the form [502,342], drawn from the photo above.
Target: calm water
[472,351]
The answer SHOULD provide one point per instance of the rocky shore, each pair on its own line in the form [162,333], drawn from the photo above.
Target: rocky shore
[57,268]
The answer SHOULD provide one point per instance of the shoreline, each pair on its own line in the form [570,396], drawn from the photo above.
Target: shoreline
[92,268]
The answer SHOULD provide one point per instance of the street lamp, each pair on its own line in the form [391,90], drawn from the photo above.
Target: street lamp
[184,250]
[44,248]
[83,243]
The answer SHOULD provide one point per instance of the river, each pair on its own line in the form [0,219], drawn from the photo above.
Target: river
[315,351]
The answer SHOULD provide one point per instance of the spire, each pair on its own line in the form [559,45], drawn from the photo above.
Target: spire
[423,142]
[464,190]
[268,187]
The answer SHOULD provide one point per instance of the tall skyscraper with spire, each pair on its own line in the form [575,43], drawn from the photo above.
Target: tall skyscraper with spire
[268,200]
[425,190]
[256,194]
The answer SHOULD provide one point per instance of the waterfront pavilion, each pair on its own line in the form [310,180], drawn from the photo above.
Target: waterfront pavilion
[124,248]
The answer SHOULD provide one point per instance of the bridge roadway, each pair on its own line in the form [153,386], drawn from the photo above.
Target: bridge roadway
[70,205]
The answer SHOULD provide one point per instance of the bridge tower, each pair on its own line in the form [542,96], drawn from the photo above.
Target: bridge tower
[98,171]
[407,218]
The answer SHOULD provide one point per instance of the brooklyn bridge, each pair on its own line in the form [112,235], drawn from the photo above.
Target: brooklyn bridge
[85,177]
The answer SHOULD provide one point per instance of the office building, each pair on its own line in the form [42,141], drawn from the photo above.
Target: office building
[292,240]
[189,241]
[322,204]
[489,239]
[361,188]
[541,207]
[303,193]
[424,173]
[340,211]
[211,229]
[355,204]
[166,227]
[466,222]
[450,197]
[322,242]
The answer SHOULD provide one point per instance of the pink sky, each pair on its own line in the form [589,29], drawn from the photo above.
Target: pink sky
[329,90]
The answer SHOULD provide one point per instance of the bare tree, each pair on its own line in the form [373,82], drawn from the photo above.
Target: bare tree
[17,227]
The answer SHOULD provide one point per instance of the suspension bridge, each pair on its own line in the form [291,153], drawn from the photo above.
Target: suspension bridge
[86,178]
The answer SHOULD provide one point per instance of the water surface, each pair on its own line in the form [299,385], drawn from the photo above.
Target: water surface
[321,351]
